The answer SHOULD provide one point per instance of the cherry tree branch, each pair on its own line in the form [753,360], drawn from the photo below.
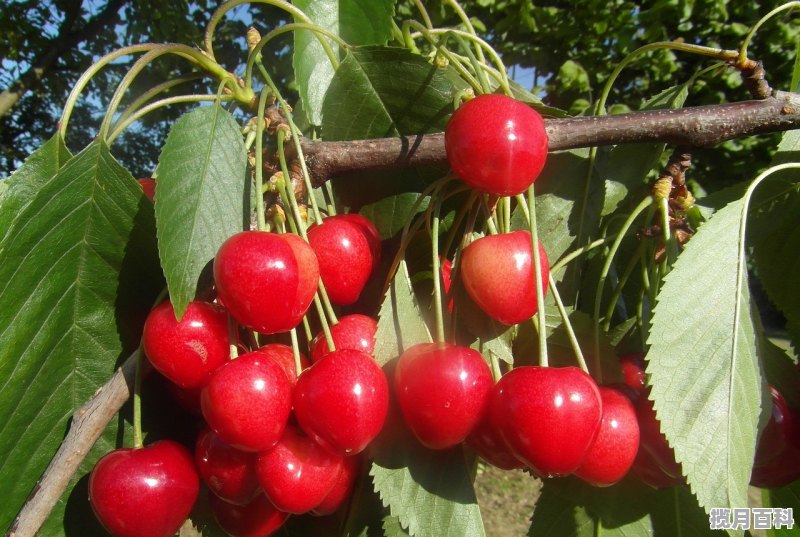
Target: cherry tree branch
[694,126]
[698,126]
[88,423]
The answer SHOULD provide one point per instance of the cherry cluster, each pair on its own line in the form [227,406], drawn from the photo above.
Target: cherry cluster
[275,443]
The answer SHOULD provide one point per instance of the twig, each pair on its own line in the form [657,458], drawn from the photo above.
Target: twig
[88,423]
[694,126]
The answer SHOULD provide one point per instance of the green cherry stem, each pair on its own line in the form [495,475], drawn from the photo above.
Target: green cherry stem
[296,351]
[155,90]
[757,25]
[437,273]
[567,259]
[632,264]
[573,340]
[138,439]
[537,276]
[259,187]
[423,13]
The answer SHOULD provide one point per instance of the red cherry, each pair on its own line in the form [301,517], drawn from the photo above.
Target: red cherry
[497,272]
[370,232]
[227,472]
[612,453]
[632,365]
[189,350]
[259,518]
[447,281]
[297,474]
[355,332]
[148,184]
[496,144]
[247,402]
[342,488]
[345,258]
[341,401]
[284,356]
[486,440]
[777,459]
[442,390]
[148,491]
[648,471]
[653,441]
[266,281]
[548,416]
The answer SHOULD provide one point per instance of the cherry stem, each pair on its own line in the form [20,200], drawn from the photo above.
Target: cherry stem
[232,328]
[757,25]
[634,261]
[437,276]
[495,363]
[459,217]
[307,329]
[489,215]
[644,204]
[259,186]
[537,275]
[138,439]
[564,261]
[573,340]
[439,46]
[296,351]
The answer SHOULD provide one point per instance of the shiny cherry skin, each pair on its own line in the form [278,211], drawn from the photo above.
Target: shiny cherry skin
[345,258]
[497,272]
[247,402]
[259,518]
[145,492]
[189,350]
[443,391]
[486,440]
[342,488]
[342,400]
[496,144]
[227,472]
[370,232]
[284,356]
[356,332]
[266,281]
[613,451]
[632,365]
[297,474]
[547,416]
[446,269]
[148,184]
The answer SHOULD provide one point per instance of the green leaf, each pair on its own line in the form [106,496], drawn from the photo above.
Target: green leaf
[570,507]
[23,184]
[381,91]
[392,527]
[358,22]
[392,213]
[200,198]
[430,492]
[702,363]
[627,166]
[787,497]
[400,323]
[79,272]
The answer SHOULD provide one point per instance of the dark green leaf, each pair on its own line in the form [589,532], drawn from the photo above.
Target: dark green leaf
[400,323]
[787,497]
[79,272]
[702,363]
[380,91]
[430,492]
[358,22]
[29,178]
[200,198]
[392,213]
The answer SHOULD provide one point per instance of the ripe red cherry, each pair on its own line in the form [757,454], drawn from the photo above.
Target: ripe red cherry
[345,258]
[497,272]
[147,491]
[614,449]
[189,350]
[227,472]
[266,281]
[777,459]
[486,440]
[356,332]
[148,184]
[632,365]
[370,232]
[297,474]
[496,144]
[649,472]
[247,402]
[341,401]
[442,390]
[547,416]
[342,488]
[259,518]
[653,441]
[284,356]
